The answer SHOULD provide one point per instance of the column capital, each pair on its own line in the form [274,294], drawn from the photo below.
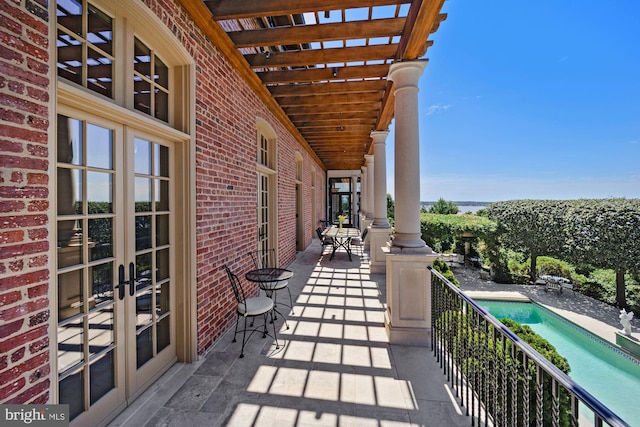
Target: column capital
[368,158]
[407,73]
[379,136]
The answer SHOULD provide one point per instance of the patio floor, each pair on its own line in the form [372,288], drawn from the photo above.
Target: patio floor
[334,367]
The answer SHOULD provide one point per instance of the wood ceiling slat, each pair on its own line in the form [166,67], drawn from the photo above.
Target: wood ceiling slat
[320,118]
[324,74]
[321,56]
[332,124]
[236,9]
[340,99]
[280,36]
[327,88]
[315,109]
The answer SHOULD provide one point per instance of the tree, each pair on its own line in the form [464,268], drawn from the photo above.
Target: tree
[532,227]
[605,234]
[390,209]
[443,207]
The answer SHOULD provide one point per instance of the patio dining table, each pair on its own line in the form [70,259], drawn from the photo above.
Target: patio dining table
[341,238]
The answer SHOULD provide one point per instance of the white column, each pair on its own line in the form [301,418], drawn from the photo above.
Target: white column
[380,180]
[408,315]
[363,197]
[370,185]
[355,215]
[405,76]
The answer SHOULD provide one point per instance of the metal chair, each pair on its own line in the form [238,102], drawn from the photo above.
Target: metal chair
[251,307]
[266,258]
[359,241]
[324,240]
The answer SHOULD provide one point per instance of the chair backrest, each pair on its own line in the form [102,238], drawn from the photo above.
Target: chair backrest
[238,292]
[265,258]
[364,234]
[319,232]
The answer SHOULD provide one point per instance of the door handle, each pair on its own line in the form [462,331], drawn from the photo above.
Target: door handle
[121,282]
[131,282]
[132,279]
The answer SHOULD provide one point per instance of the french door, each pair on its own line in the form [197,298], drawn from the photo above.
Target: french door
[115,272]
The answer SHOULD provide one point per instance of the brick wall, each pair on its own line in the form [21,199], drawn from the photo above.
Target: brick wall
[24,203]
[226,114]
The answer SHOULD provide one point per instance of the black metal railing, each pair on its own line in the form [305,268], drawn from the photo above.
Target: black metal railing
[499,378]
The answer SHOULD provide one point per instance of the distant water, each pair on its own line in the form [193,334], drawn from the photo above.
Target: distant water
[461,208]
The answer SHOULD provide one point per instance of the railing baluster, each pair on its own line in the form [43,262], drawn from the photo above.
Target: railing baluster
[497,371]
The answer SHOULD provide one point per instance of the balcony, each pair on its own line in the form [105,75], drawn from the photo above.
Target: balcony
[335,366]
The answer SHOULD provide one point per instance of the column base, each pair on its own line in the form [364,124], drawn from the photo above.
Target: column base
[408,314]
[379,239]
[418,337]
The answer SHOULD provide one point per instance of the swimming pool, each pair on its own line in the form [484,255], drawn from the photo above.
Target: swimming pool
[606,372]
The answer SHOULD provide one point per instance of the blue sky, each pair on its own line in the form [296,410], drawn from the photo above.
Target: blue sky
[531,100]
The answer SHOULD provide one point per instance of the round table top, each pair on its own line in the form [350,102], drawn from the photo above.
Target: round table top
[269,275]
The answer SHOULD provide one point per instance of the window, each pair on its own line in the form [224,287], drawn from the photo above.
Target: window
[150,83]
[85,46]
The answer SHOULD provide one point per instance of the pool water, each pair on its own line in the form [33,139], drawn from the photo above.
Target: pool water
[605,372]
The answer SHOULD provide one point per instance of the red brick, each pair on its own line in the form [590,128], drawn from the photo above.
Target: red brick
[38,234]
[15,162]
[13,236]
[10,25]
[11,388]
[17,176]
[40,67]
[38,346]
[8,329]
[38,122]
[17,355]
[16,265]
[12,71]
[4,362]
[39,318]
[10,146]
[38,94]
[7,252]
[37,291]
[38,150]
[16,87]
[23,221]
[38,206]
[11,116]
[16,371]
[39,373]
[22,133]
[37,178]
[23,338]
[11,55]
[23,309]
[30,393]
[11,206]
[38,261]
[23,279]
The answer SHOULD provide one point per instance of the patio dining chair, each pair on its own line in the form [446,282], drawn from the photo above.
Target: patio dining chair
[324,240]
[251,307]
[360,240]
[266,258]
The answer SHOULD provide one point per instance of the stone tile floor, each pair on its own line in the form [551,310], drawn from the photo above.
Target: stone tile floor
[334,365]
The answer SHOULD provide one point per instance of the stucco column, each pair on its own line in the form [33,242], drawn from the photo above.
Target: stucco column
[405,76]
[380,180]
[363,196]
[370,185]
[380,230]
[354,201]
[408,315]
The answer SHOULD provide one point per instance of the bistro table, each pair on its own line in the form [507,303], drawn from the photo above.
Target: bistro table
[341,238]
[270,280]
